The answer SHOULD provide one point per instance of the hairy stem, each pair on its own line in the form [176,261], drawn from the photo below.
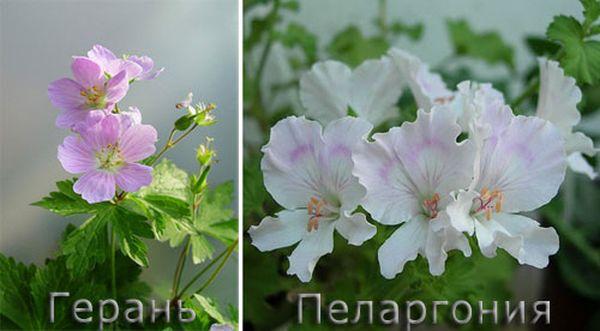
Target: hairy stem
[180,266]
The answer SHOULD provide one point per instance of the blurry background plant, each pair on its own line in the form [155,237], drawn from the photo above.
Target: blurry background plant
[280,44]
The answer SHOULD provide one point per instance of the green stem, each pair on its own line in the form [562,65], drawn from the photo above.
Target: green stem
[383,18]
[113,269]
[215,273]
[527,93]
[205,269]
[180,266]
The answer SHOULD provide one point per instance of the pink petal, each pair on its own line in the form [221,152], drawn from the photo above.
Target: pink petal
[103,133]
[65,93]
[101,55]
[67,119]
[75,156]
[117,87]
[132,176]
[132,69]
[95,186]
[87,72]
[137,142]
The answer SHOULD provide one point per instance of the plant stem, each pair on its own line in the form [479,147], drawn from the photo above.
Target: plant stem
[382,19]
[205,269]
[215,273]
[180,266]
[527,93]
[113,269]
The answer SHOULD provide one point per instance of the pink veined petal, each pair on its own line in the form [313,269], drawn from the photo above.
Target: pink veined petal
[65,93]
[527,163]
[95,186]
[137,142]
[290,164]
[284,230]
[132,176]
[147,65]
[75,156]
[335,160]
[87,72]
[117,87]
[101,55]
[411,163]
[68,119]
[92,117]
[312,247]
[132,69]
[103,133]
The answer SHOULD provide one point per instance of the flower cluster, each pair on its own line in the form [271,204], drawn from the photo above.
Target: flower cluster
[107,144]
[439,187]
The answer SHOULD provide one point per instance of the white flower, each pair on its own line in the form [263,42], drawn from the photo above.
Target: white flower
[308,171]
[557,103]
[409,173]
[520,165]
[427,88]
[371,90]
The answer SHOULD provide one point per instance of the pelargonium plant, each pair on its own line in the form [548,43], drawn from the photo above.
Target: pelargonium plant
[130,193]
[419,175]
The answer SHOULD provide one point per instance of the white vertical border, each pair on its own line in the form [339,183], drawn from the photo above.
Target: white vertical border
[240,189]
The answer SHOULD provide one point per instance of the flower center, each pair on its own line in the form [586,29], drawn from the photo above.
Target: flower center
[94,97]
[319,209]
[488,202]
[430,206]
[109,158]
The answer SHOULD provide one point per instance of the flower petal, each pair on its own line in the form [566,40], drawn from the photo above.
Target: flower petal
[355,228]
[284,230]
[69,118]
[101,55]
[416,161]
[65,93]
[117,87]
[75,156]
[579,164]
[442,241]
[313,245]
[474,99]
[526,162]
[103,133]
[375,87]
[87,72]
[579,142]
[132,69]
[147,65]
[132,176]
[137,142]
[520,236]
[559,96]
[95,186]
[325,91]
[290,165]
[402,246]
[335,160]
[427,88]
[459,212]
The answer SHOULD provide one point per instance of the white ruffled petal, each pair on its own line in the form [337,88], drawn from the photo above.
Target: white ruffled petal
[355,228]
[579,164]
[559,96]
[290,166]
[411,163]
[402,246]
[459,212]
[375,87]
[526,162]
[282,231]
[325,91]
[520,236]
[579,142]
[427,88]
[474,99]
[314,245]
[442,241]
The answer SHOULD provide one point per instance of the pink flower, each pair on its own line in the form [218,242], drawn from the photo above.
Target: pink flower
[137,67]
[89,90]
[106,154]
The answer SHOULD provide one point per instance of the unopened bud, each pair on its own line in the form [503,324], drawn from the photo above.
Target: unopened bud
[205,153]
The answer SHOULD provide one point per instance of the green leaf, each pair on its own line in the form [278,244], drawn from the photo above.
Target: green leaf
[168,179]
[591,11]
[65,201]
[486,46]
[215,216]
[412,31]
[581,57]
[174,207]
[86,245]
[211,308]
[201,248]
[351,47]
[540,46]
[129,227]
